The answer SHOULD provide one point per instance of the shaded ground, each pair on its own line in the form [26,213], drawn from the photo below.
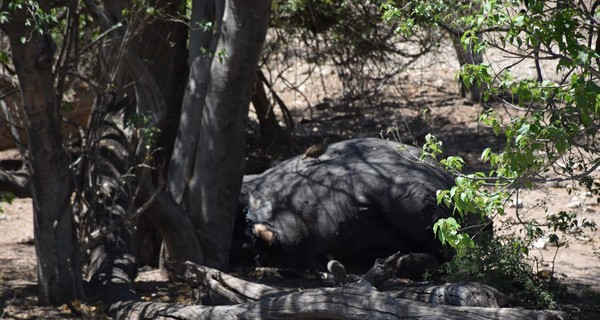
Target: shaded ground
[420,102]
[577,263]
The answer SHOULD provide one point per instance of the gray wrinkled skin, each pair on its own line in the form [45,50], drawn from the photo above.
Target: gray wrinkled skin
[365,198]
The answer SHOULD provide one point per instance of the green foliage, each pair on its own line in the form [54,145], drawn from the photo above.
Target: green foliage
[471,196]
[38,18]
[504,266]
[4,57]
[3,17]
[475,75]
[222,55]
[447,230]
[432,148]
[207,26]
[561,117]
[566,221]
[7,198]
[148,132]
[550,125]
[417,15]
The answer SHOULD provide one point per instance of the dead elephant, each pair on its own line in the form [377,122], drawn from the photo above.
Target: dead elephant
[363,199]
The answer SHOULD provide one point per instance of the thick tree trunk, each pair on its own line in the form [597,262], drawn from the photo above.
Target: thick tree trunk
[59,273]
[207,164]
[202,41]
[219,164]
[174,226]
[154,62]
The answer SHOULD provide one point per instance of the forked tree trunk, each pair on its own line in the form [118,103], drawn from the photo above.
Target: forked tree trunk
[466,55]
[59,275]
[203,25]
[208,161]
[153,62]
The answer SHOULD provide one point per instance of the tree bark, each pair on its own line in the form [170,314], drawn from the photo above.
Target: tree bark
[59,278]
[174,226]
[202,42]
[219,163]
[329,303]
[466,56]
[453,294]
[16,183]
[355,301]
[161,45]
[153,62]
[269,128]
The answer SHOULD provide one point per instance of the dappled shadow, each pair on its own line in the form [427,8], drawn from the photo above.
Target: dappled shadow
[582,297]
[360,188]
[402,117]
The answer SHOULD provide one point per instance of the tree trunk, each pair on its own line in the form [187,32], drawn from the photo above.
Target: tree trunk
[269,128]
[153,62]
[329,303]
[202,41]
[219,164]
[162,46]
[59,273]
[174,226]
[207,165]
[466,56]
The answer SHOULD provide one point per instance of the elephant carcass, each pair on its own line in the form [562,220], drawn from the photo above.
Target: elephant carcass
[362,199]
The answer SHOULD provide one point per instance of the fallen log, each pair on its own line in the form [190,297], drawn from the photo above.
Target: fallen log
[326,303]
[219,288]
[16,183]
[258,301]
[455,294]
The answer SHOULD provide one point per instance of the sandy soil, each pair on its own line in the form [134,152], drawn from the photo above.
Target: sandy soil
[576,262]
[423,99]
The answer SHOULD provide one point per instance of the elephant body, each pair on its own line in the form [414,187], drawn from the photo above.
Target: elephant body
[363,199]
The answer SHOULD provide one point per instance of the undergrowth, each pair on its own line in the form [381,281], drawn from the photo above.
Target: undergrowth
[503,264]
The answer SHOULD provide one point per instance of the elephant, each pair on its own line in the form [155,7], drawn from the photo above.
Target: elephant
[363,199]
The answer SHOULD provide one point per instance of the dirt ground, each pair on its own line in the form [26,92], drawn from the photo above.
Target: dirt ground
[423,99]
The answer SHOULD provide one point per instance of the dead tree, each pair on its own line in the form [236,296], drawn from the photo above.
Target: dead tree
[240,299]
